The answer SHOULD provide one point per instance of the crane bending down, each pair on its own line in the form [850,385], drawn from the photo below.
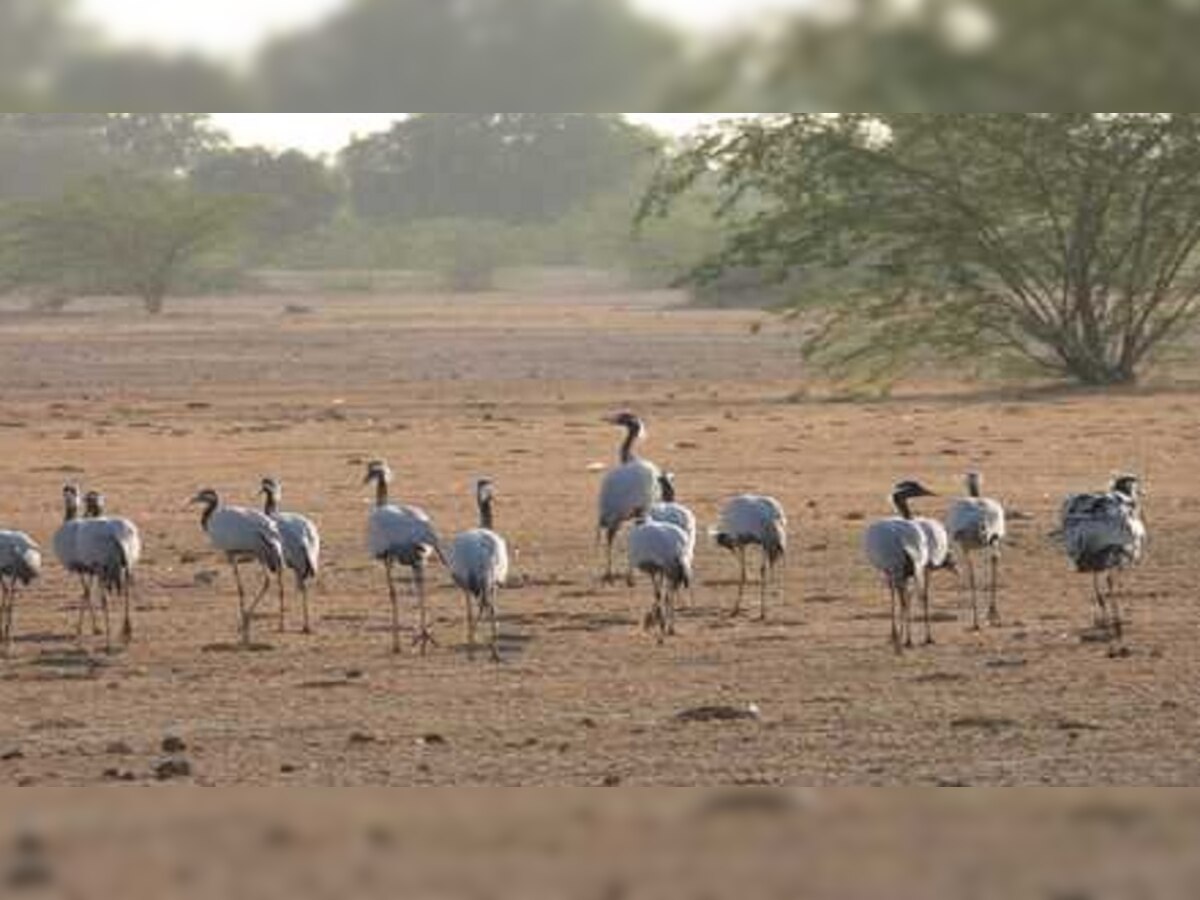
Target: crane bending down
[1104,535]
[479,566]
[752,520]
[899,550]
[20,565]
[672,512]
[664,552]
[243,536]
[109,550]
[628,491]
[401,536]
[301,544]
[976,524]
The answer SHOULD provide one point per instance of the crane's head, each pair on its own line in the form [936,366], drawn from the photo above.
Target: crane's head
[378,472]
[666,486]
[1127,485]
[628,420]
[206,497]
[93,505]
[485,490]
[975,484]
[71,492]
[271,488]
[911,490]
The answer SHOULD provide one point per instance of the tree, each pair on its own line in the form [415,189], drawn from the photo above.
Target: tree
[514,167]
[380,54]
[119,234]
[33,33]
[1067,239]
[296,194]
[956,55]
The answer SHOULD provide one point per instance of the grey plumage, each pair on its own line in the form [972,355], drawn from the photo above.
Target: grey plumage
[671,512]
[977,524]
[1104,535]
[243,536]
[301,543]
[629,490]
[109,550]
[753,520]
[898,548]
[66,551]
[479,566]
[401,536]
[664,552]
[20,565]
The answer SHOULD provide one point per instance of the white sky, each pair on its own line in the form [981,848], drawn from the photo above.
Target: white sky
[234,27]
[329,132]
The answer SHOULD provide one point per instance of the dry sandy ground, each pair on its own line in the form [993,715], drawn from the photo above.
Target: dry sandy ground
[221,392]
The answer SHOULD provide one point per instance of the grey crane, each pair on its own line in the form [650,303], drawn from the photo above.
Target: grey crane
[243,536]
[672,512]
[664,552]
[20,565]
[1104,535]
[753,520]
[66,550]
[401,536]
[629,490]
[109,550]
[976,524]
[301,544]
[479,566]
[897,547]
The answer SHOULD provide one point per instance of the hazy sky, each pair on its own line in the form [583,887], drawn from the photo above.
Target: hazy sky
[235,26]
[328,132]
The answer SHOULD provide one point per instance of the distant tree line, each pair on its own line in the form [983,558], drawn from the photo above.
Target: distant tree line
[149,203]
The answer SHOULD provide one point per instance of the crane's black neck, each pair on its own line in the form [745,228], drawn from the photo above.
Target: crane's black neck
[635,432]
[487,516]
[210,507]
[667,487]
[900,502]
[973,488]
[93,509]
[381,491]
[270,503]
[70,509]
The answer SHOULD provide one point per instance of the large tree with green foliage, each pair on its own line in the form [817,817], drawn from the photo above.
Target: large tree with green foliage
[114,234]
[512,167]
[1067,239]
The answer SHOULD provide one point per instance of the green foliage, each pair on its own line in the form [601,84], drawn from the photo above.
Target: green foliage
[1067,239]
[511,167]
[114,234]
[956,55]
[573,54]
[465,253]
[296,194]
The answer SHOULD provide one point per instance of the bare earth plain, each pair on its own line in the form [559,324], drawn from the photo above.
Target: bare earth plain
[220,392]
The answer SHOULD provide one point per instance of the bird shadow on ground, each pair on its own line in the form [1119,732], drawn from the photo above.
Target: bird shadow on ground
[236,647]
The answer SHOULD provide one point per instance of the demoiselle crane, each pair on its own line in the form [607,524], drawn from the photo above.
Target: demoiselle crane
[479,566]
[627,491]
[20,565]
[109,550]
[899,550]
[301,543]
[664,552]
[753,520]
[977,524]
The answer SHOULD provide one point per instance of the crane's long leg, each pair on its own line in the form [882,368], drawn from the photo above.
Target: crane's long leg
[102,584]
[282,607]
[763,582]
[243,619]
[925,609]
[423,637]
[973,587]
[127,598]
[7,598]
[494,620]
[302,587]
[743,577]
[893,597]
[258,598]
[471,622]
[388,566]
[1100,614]
[994,587]
[610,537]
[1118,627]
[906,609]
[672,595]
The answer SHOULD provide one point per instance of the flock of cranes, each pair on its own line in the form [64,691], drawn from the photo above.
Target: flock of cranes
[1103,534]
